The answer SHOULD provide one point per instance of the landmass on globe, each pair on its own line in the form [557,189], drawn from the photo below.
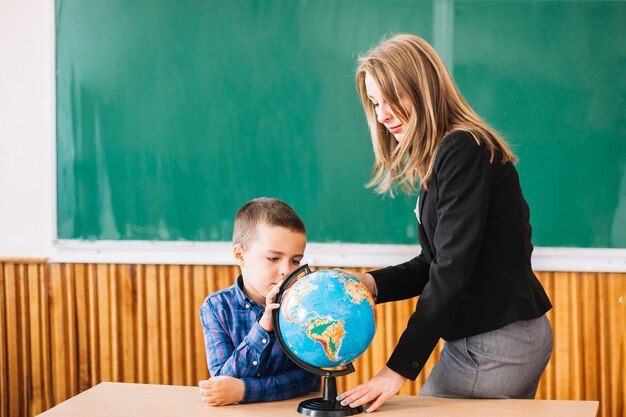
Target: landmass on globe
[329,333]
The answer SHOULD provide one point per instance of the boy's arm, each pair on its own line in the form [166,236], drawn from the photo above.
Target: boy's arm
[289,384]
[223,357]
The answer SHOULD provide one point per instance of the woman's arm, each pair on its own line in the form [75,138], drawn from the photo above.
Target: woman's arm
[401,281]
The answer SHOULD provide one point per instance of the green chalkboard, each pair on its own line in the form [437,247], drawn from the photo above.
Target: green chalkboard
[172,114]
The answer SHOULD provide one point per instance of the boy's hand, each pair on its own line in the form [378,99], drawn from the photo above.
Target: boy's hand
[222,390]
[266,320]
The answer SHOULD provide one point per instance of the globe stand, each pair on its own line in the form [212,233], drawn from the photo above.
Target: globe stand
[327,405]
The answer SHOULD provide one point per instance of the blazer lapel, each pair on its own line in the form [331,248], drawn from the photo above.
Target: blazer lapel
[420,204]
[419,211]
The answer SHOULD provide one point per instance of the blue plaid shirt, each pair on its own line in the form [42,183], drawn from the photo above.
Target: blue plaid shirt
[236,345]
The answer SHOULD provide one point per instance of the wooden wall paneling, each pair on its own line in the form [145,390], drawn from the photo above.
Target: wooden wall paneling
[64,327]
[617,381]
[65,308]
[603,319]
[21,333]
[621,368]
[105,338]
[210,281]
[82,324]
[200,291]
[226,276]
[189,324]
[589,306]
[64,357]
[620,364]
[69,344]
[141,358]
[562,340]
[197,277]
[576,353]
[4,371]
[154,336]
[46,342]
[59,352]
[615,335]
[11,340]
[115,322]
[127,319]
[35,335]
[71,317]
[93,297]
[164,324]
[176,321]
[23,329]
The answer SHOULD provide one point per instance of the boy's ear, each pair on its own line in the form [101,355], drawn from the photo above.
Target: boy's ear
[238,253]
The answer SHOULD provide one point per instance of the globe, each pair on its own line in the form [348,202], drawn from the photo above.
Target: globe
[327,318]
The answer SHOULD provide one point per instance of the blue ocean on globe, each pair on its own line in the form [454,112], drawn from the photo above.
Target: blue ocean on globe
[327,318]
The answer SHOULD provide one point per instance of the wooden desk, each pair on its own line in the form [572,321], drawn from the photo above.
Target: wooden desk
[110,399]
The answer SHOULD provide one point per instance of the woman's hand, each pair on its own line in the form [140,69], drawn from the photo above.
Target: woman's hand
[377,390]
[366,279]
[266,320]
[222,390]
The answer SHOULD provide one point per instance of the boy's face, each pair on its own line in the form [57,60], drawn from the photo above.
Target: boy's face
[274,254]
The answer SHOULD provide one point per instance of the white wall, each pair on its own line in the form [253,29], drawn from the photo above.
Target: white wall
[26,128]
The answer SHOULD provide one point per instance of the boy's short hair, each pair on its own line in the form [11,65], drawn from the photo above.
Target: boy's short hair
[263,210]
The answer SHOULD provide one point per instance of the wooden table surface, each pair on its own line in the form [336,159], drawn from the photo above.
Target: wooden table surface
[112,399]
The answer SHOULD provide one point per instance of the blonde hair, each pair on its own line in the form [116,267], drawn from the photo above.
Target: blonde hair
[407,65]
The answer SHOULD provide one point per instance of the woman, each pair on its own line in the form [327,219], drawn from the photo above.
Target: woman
[477,289]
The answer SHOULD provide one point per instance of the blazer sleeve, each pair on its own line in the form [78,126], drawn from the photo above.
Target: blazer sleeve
[402,281]
[462,172]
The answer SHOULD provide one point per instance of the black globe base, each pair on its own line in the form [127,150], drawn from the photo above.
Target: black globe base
[319,407]
[327,405]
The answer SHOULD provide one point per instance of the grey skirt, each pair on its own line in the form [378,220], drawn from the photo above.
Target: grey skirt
[504,363]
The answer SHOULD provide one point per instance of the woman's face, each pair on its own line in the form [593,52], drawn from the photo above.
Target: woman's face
[384,114]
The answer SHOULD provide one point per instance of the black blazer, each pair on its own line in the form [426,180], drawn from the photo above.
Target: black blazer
[474,273]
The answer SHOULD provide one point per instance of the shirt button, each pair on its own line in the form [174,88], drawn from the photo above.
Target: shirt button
[416,364]
[255,363]
[247,305]
[258,374]
[264,341]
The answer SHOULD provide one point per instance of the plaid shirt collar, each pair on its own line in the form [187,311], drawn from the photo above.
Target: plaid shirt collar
[242,297]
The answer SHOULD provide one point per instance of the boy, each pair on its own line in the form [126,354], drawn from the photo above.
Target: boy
[244,358]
